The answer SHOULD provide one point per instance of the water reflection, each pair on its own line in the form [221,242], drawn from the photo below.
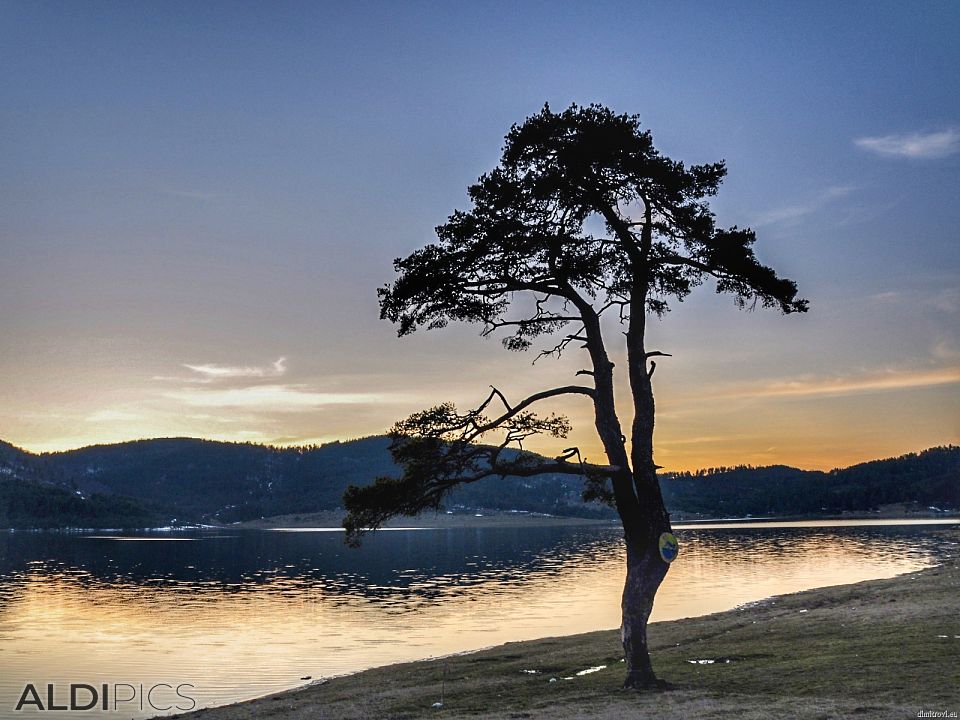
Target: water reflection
[246,613]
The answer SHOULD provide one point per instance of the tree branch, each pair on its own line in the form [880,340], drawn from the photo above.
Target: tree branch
[514,469]
[530,400]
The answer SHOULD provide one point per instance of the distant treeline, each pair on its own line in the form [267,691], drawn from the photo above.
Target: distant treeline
[30,504]
[931,478]
[157,481]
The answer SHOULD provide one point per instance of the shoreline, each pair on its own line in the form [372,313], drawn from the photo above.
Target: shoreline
[331,520]
[878,648]
[522,518]
[431,520]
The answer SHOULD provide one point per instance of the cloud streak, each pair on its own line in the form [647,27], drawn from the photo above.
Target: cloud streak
[212,371]
[274,398]
[792,212]
[834,387]
[112,416]
[918,146]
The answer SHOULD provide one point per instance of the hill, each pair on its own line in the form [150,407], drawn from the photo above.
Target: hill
[189,480]
[928,478]
[30,497]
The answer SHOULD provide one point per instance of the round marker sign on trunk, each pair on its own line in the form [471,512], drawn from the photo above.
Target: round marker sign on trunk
[669,547]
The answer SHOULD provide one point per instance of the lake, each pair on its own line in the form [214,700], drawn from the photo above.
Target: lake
[237,614]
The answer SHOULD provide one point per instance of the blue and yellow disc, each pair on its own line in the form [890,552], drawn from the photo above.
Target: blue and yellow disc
[669,547]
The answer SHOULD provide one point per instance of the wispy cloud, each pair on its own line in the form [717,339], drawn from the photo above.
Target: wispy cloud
[211,371]
[702,440]
[921,146]
[780,214]
[274,398]
[797,210]
[838,386]
[838,191]
[946,350]
[112,416]
[288,440]
[886,297]
[946,300]
[176,379]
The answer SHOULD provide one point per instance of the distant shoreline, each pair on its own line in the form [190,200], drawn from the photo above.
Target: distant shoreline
[332,520]
[438,520]
[516,518]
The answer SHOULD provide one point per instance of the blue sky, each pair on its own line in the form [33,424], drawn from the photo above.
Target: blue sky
[221,185]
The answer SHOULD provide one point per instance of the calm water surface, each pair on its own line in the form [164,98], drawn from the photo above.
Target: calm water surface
[244,613]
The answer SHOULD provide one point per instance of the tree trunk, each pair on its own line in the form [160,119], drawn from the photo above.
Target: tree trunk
[645,571]
[636,490]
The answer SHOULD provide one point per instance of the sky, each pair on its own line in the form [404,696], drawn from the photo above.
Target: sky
[198,202]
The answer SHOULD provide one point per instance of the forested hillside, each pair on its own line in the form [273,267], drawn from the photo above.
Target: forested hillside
[188,480]
[931,477]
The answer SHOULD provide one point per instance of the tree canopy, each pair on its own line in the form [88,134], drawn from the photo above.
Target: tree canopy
[526,232]
[585,216]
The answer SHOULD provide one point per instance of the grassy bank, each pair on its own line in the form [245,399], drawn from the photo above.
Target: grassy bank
[877,649]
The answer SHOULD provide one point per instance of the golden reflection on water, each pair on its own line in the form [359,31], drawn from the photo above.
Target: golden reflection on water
[261,628]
